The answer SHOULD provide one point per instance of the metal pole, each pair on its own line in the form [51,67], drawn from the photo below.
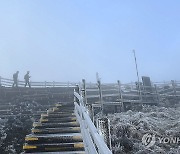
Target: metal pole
[145,93]
[120,96]
[76,90]
[84,91]
[174,89]
[100,95]
[140,96]
[119,89]
[157,93]
[100,92]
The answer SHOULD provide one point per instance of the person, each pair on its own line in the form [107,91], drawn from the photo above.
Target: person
[26,78]
[15,79]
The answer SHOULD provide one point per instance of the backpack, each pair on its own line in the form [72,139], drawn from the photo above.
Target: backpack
[26,77]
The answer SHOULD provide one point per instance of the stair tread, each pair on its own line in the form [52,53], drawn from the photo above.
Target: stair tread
[56,144]
[59,128]
[55,131]
[58,123]
[64,152]
[54,147]
[54,140]
[55,135]
[55,125]
[59,112]
[57,117]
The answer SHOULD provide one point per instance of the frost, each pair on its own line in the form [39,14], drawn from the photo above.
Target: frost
[127,129]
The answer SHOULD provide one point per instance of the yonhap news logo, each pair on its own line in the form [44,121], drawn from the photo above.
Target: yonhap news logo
[150,139]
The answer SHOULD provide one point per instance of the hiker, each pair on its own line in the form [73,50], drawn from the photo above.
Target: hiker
[26,78]
[15,79]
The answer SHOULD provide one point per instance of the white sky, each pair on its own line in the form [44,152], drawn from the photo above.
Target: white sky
[64,40]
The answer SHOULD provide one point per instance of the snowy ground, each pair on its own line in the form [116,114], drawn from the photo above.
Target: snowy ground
[128,128]
[16,126]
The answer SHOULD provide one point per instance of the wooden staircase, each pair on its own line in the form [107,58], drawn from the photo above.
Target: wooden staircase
[57,131]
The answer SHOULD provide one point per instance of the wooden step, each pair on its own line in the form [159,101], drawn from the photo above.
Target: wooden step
[63,109]
[71,138]
[58,120]
[63,104]
[79,146]
[59,112]
[56,130]
[64,152]
[55,125]
[56,115]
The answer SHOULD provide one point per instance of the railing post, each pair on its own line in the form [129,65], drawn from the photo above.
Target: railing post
[174,86]
[90,111]
[84,92]
[100,95]
[119,89]
[144,90]
[0,82]
[53,84]
[157,94]
[103,125]
[120,95]
[75,98]
[45,84]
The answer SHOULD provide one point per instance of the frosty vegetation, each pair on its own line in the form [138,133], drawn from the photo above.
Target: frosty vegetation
[128,128]
[15,127]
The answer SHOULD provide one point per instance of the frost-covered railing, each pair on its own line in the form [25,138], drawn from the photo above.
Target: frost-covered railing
[94,143]
[130,91]
[9,82]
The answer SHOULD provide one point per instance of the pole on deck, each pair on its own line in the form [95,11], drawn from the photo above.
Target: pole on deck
[100,92]
[137,73]
[84,91]
[76,90]
[157,94]
[120,95]
[103,126]
[174,88]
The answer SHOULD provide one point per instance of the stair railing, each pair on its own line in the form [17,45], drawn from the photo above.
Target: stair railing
[93,141]
[4,82]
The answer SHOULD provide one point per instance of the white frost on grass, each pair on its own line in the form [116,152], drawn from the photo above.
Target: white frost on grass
[132,125]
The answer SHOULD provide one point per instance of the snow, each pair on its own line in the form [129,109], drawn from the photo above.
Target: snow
[130,126]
